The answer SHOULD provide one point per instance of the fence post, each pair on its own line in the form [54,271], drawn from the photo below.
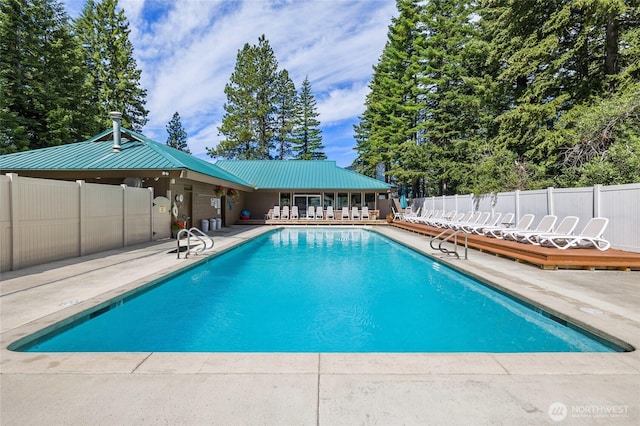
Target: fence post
[124,215]
[14,241]
[550,205]
[82,212]
[597,196]
[151,208]
[517,204]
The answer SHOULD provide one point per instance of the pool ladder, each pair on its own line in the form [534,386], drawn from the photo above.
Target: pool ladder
[453,235]
[207,241]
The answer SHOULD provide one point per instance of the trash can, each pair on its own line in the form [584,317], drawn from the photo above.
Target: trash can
[219,223]
[212,224]
[205,225]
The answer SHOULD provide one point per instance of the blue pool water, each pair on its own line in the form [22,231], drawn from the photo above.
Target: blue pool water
[319,290]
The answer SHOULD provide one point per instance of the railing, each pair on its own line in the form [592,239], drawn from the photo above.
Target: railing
[447,251]
[197,234]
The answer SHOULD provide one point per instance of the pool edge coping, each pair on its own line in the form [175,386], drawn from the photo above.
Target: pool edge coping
[417,363]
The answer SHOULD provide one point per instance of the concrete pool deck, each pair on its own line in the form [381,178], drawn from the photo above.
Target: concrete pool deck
[315,389]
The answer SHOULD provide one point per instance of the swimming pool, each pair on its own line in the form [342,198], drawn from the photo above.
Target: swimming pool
[318,290]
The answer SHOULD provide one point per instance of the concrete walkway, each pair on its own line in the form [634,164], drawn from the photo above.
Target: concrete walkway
[316,389]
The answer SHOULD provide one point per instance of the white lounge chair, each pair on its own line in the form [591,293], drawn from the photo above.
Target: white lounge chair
[591,236]
[545,226]
[439,221]
[365,213]
[285,212]
[482,220]
[276,212]
[311,212]
[354,213]
[397,215]
[476,227]
[423,218]
[330,214]
[470,219]
[319,213]
[294,212]
[345,213]
[566,227]
[505,222]
[451,217]
[409,213]
[523,224]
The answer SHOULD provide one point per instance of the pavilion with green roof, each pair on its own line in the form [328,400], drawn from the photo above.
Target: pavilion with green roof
[200,189]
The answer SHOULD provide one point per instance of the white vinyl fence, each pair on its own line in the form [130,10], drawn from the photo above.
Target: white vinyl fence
[619,203]
[43,220]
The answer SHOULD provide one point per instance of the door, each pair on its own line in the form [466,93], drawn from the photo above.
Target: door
[304,201]
[161,218]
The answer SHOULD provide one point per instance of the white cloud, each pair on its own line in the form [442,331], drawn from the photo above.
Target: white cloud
[187,51]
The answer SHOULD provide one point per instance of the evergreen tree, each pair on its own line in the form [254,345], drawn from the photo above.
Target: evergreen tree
[113,74]
[392,105]
[249,123]
[450,111]
[556,55]
[42,101]
[177,135]
[307,137]
[285,114]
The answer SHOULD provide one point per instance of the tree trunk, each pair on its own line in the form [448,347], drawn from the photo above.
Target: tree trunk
[611,49]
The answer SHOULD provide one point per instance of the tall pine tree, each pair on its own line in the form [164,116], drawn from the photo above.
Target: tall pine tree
[177,135]
[388,135]
[249,123]
[42,97]
[285,111]
[307,137]
[113,74]
[555,56]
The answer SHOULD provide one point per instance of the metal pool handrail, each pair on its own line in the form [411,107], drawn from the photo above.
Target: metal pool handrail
[195,233]
[455,243]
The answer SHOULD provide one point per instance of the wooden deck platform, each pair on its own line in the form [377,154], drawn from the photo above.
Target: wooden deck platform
[544,257]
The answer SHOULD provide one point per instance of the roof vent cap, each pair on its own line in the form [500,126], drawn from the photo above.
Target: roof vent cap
[116,117]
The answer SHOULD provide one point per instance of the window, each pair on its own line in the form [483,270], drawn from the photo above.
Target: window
[356,199]
[329,199]
[285,199]
[343,200]
[370,200]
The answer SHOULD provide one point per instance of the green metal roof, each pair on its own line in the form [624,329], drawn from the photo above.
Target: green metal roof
[137,153]
[300,174]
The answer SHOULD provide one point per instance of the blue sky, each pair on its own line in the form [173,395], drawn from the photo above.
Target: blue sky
[187,51]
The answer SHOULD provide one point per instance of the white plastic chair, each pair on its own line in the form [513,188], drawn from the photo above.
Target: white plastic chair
[523,224]
[354,213]
[345,213]
[591,236]
[365,213]
[566,227]
[330,214]
[544,227]
[311,213]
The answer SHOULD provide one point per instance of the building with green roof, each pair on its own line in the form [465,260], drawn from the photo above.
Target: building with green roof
[199,189]
[305,183]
